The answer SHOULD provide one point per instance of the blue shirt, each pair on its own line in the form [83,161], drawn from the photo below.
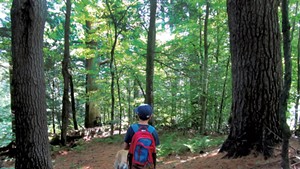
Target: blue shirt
[130,133]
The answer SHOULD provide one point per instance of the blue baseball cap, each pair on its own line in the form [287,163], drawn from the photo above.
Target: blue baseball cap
[144,111]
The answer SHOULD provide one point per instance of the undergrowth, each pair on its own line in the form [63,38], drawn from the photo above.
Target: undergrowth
[178,143]
[171,143]
[111,140]
[175,142]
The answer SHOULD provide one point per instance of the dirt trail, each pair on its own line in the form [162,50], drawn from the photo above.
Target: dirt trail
[101,156]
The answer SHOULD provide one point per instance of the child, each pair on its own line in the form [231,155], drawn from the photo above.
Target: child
[144,113]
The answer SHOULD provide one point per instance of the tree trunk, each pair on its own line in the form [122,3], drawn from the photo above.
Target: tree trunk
[286,134]
[112,86]
[151,55]
[298,82]
[204,83]
[194,96]
[53,106]
[220,116]
[66,109]
[298,71]
[256,75]
[119,99]
[73,103]
[129,89]
[91,111]
[195,79]
[174,89]
[28,81]
[112,66]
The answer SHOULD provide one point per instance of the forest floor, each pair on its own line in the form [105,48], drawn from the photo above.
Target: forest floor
[94,154]
[102,155]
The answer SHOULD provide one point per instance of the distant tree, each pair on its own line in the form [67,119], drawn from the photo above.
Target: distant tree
[204,78]
[73,103]
[298,79]
[29,98]
[118,21]
[112,66]
[256,75]
[298,70]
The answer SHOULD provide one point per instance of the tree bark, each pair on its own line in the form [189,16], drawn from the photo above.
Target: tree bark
[204,83]
[298,72]
[90,108]
[66,109]
[29,91]
[73,103]
[298,82]
[286,134]
[256,75]
[220,116]
[151,55]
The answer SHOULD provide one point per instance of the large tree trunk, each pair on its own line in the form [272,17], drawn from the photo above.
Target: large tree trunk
[151,55]
[256,71]
[286,134]
[29,92]
[66,109]
[91,111]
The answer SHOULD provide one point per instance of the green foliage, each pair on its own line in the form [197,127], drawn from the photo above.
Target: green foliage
[5,53]
[6,135]
[5,118]
[110,140]
[178,143]
[80,146]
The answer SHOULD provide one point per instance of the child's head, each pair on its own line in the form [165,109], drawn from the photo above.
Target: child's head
[144,112]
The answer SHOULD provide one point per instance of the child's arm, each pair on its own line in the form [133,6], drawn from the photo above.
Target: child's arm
[126,146]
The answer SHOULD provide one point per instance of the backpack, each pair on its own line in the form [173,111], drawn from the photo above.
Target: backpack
[142,147]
